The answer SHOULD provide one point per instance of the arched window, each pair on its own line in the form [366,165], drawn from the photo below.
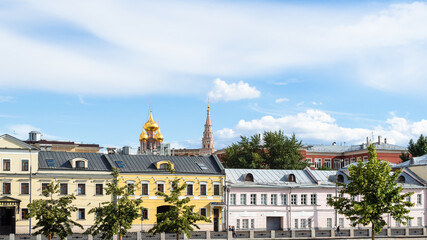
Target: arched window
[163,166]
[401,179]
[80,164]
[292,178]
[340,178]
[249,177]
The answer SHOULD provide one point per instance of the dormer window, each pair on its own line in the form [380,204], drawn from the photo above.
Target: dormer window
[401,179]
[163,165]
[340,178]
[249,177]
[291,178]
[79,163]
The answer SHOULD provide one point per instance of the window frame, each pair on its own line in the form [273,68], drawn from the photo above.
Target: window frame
[217,189]
[273,199]
[27,188]
[7,188]
[6,164]
[25,166]
[294,199]
[252,200]
[97,189]
[162,184]
[61,188]
[143,183]
[206,212]
[189,190]
[24,214]
[233,199]
[263,199]
[81,189]
[79,214]
[203,188]
[243,199]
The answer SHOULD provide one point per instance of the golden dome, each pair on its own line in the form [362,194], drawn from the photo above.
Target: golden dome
[151,125]
[143,136]
[158,137]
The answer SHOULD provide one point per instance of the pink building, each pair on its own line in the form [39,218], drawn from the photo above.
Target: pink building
[296,199]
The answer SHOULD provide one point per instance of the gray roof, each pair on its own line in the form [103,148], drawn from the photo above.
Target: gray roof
[352,148]
[182,164]
[421,160]
[275,177]
[96,161]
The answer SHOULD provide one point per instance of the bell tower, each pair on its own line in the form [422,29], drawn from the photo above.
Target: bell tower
[207,140]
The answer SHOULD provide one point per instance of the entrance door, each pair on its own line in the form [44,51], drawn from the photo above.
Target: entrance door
[7,220]
[216,219]
[274,223]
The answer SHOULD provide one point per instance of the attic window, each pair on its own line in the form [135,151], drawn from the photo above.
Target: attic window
[292,178]
[340,178]
[401,179]
[80,164]
[202,166]
[120,164]
[50,162]
[163,166]
[249,177]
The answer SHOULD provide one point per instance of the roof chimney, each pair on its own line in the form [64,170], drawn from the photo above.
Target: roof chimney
[385,140]
[367,140]
[379,139]
[334,143]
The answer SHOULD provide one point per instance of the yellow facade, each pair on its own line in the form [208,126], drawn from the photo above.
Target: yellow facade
[151,202]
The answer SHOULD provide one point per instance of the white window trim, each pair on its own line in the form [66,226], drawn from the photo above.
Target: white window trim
[186,189]
[219,187]
[20,189]
[78,190]
[22,159]
[206,210]
[148,187]
[81,219]
[200,188]
[10,164]
[102,189]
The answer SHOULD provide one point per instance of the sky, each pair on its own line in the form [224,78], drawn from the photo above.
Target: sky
[328,71]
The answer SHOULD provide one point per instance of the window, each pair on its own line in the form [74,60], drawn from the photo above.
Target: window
[303,199]
[24,165]
[81,214]
[408,199]
[50,162]
[120,164]
[6,187]
[303,223]
[309,223]
[6,164]
[203,189]
[131,188]
[409,223]
[245,223]
[25,188]
[233,199]
[341,222]
[24,214]
[99,189]
[309,160]
[173,184]
[263,199]
[419,201]
[161,187]
[237,223]
[81,189]
[203,212]
[291,178]
[337,163]
[329,222]
[329,196]
[340,178]
[318,162]
[327,162]
[253,199]
[273,199]
[242,199]
[216,189]
[80,164]
[44,186]
[252,223]
[293,199]
[419,221]
[163,166]
[397,223]
[365,158]
[346,162]
[144,214]
[144,189]
[353,198]
[189,189]
[296,223]
[313,199]
[63,188]
[352,160]
[284,199]
[401,179]
[249,177]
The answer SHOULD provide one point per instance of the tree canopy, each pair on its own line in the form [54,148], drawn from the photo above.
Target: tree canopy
[115,217]
[276,151]
[379,194]
[180,218]
[415,149]
[53,215]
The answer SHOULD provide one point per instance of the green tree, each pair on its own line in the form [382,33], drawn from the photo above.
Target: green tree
[245,154]
[115,217]
[415,149]
[276,152]
[380,194]
[53,215]
[180,218]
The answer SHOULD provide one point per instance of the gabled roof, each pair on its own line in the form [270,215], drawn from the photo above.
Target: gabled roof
[18,143]
[61,161]
[182,164]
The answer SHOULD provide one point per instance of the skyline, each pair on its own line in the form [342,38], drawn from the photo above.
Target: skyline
[328,72]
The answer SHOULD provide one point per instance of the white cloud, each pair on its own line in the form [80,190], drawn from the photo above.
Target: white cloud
[279,100]
[221,91]
[152,47]
[6,99]
[315,126]
[316,103]
[21,131]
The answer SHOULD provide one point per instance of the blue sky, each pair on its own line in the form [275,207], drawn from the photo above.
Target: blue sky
[327,71]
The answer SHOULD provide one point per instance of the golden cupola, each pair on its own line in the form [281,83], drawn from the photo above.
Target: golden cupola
[151,125]
[143,136]
[158,137]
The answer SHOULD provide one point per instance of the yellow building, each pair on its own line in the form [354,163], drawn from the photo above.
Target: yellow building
[204,177]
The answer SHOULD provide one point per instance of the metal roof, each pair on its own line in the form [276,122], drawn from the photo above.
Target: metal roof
[274,177]
[182,164]
[352,148]
[96,161]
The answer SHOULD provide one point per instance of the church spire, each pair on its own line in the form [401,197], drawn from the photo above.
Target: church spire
[208,140]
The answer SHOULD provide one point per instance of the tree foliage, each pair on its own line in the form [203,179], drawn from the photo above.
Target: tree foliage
[180,218]
[379,192]
[415,149]
[116,216]
[53,215]
[276,151]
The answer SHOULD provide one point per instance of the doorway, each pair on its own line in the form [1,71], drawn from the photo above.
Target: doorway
[216,219]
[7,220]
